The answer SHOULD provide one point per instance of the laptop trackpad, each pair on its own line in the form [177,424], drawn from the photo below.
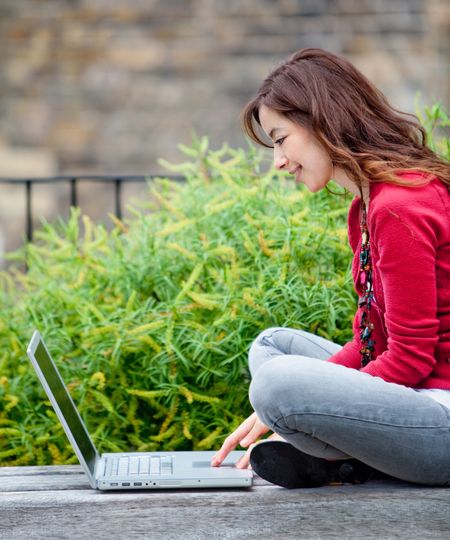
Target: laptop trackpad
[200,464]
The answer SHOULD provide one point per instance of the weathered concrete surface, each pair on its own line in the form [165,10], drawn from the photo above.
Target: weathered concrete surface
[56,502]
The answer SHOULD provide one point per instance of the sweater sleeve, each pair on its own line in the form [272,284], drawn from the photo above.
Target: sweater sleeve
[349,356]
[406,240]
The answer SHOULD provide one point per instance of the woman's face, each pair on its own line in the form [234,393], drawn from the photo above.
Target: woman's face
[296,150]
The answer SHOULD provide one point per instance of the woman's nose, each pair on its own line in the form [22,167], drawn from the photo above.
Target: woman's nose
[279,159]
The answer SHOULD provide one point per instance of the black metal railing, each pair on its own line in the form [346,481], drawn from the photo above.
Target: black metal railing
[73,182]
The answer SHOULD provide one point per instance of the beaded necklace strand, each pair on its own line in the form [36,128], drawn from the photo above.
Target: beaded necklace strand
[365,302]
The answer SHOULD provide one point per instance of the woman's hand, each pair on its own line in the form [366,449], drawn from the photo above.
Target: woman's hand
[246,435]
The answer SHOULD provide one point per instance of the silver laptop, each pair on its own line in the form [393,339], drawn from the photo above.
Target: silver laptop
[131,470]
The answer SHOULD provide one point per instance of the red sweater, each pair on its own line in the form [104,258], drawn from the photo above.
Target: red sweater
[409,230]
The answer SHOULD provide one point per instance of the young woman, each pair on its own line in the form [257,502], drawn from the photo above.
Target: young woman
[382,401]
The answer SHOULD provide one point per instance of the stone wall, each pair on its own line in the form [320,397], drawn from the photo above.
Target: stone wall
[108,86]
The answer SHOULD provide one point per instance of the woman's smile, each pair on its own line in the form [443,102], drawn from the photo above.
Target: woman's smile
[297,172]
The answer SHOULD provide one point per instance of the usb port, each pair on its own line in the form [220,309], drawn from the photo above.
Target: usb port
[114,484]
[137,484]
[125,483]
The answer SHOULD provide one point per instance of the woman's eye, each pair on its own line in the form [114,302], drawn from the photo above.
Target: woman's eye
[279,142]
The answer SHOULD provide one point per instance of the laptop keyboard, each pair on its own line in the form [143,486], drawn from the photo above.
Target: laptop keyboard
[139,465]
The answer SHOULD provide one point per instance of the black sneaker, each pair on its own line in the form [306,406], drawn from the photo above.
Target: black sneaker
[282,464]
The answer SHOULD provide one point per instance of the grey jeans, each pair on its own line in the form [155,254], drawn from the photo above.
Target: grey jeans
[334,412]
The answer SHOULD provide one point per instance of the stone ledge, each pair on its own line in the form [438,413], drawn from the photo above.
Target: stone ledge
[57,500]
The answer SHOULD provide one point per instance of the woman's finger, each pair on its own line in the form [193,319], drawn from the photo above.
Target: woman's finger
[233,440]
[254,434]
[244,462]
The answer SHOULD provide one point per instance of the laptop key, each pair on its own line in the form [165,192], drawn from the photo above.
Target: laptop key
[123,466]
[144,465]
[154,465]
[166,465]
[111,466]
[134,465]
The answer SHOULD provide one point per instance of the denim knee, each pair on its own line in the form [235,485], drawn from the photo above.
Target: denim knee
[266,392]
[258,352]
[267,333]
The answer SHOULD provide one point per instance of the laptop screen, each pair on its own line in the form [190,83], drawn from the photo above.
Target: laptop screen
[71,417]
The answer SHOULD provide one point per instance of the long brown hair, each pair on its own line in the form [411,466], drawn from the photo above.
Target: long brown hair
[351,118]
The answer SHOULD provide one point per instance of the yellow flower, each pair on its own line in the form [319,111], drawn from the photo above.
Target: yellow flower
[98,379]
[174,227]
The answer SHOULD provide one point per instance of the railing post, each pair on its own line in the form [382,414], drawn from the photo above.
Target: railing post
[73,192]
[28,218]
[117,196]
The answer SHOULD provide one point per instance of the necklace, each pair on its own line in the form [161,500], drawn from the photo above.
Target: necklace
[365,302]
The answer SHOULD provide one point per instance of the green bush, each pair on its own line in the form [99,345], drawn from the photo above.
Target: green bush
[150,323]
